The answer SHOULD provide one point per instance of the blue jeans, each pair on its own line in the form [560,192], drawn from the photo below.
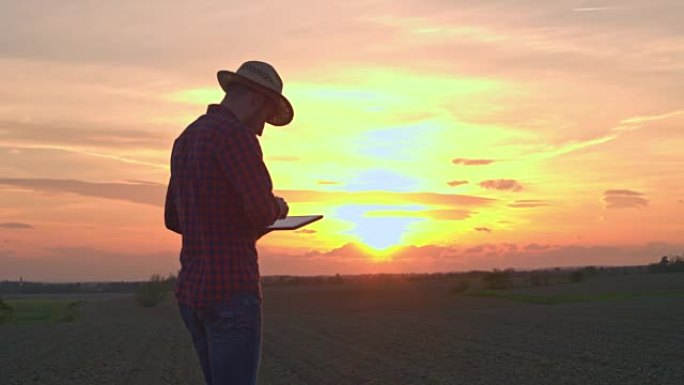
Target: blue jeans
[227,338]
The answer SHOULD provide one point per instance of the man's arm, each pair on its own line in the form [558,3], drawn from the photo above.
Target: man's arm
[170,212]
[241,159]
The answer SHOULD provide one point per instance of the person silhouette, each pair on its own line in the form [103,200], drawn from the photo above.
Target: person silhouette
[220,199]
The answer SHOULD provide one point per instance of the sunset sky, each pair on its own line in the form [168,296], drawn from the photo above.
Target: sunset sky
[432,135]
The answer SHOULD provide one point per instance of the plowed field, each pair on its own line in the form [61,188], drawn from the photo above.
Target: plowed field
[400,333]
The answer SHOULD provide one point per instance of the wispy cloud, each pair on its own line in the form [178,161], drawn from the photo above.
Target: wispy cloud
[144,193]
[15,225]
[455,183]
[535,246]
[284,158]
[554,150]
[426,198]
[593,9]
[80,263]
[528,203]
[154,194]
[501,185]
[615,199]
[305,231]
[637,122]
[449,215]
[79,135]
[472,162]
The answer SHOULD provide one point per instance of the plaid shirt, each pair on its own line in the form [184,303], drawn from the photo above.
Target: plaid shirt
[220,196]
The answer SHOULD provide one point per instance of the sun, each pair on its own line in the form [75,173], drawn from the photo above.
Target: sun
[377,254]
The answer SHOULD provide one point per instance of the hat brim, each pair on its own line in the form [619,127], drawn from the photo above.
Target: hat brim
[284,112]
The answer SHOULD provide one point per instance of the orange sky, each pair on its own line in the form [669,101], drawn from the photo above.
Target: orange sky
[433,136]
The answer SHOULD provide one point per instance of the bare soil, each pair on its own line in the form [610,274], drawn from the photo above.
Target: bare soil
[398,333]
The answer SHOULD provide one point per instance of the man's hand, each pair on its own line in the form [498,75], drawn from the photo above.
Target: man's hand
[283,208]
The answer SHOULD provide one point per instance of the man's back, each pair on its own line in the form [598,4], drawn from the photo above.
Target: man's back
[219,197]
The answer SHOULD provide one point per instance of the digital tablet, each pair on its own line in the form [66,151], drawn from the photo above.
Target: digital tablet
[293,222]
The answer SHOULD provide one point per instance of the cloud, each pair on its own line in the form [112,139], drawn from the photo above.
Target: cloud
[431,258]
[622,192]
[284,158]
[15,225]
[144,193]
[327,182]
[80,135]
[527,203]
[75,263]
[472,162]
[593,9]
[135,181]
[615,199]
[480,248]
[455,183]
[535,246]
[384,196]
[347,251]
[154,194]
[643,121]
[369,211]
[485,229]
[305,231]
[64,163]
[501,184]
[448,215]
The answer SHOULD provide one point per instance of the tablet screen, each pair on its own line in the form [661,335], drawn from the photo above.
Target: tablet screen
[294,222]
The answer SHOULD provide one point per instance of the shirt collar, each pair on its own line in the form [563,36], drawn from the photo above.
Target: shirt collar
[221,110]
[226,115]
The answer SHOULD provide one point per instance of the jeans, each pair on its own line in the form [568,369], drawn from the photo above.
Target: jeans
[227,338]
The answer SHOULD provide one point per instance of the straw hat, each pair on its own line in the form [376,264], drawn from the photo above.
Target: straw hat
[264,78]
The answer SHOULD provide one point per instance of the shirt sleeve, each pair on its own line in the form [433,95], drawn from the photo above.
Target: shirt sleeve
[241,159]
[170,211]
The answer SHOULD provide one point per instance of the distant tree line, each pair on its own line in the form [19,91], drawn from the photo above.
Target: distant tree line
[495,279]
[668,264]
[27,287]
[24,287]
[289,280]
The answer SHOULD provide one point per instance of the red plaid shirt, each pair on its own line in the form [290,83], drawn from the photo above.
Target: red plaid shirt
[220,196]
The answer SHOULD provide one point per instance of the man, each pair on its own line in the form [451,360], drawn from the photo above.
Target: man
[220,198]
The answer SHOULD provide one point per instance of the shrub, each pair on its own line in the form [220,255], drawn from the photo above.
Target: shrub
[539,278]
[460,287]
[498,279]
[577,276]
[71,314]
[152,292]
[6,312]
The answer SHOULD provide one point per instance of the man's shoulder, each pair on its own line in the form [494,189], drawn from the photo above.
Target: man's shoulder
[219,127]
[203,125]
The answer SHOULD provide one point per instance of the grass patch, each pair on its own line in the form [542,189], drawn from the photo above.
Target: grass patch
[559,299]
[39,310]
[152,292]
